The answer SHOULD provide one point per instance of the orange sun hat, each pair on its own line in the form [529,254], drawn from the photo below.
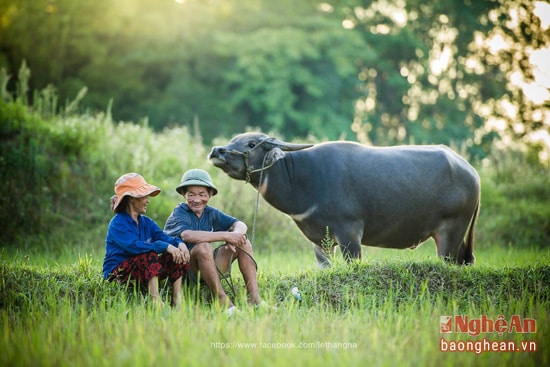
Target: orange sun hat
[134,185]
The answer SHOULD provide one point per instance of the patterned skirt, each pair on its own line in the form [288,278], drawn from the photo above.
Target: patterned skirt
[144,267]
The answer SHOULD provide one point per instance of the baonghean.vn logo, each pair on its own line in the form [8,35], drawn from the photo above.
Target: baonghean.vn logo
[478,325]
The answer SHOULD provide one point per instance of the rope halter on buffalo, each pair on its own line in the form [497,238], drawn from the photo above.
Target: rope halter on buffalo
[226,277]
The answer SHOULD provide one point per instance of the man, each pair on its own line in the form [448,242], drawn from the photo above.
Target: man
[199,224]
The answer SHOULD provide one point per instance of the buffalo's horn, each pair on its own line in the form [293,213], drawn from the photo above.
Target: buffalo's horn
[274,142]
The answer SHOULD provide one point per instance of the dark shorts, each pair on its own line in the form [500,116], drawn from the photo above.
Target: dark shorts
[192,277]
[144,267]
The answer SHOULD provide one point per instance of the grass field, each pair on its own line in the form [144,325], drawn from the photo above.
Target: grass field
[383,311]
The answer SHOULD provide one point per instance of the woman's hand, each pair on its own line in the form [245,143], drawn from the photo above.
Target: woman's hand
[180,256]
[186,255]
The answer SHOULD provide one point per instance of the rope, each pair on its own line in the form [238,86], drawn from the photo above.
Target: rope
[227,278]
[257,200]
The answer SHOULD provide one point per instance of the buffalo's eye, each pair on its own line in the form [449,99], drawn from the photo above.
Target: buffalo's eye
[251,145]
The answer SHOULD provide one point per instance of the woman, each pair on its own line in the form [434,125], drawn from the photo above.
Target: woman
[136,249]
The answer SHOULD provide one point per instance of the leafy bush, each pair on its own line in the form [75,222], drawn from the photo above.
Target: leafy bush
[515,202]
[32,160]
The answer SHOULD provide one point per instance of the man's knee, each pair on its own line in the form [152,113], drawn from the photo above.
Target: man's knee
[202,251]
[248,247]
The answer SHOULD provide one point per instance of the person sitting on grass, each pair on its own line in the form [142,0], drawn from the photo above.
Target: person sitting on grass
[198,225]
[136,249]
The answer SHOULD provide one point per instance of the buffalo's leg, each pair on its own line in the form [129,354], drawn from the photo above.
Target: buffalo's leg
[350,250]
[466,254]
[449,239]
[321,255]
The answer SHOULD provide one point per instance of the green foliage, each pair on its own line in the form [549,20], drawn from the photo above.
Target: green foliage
[66,166]
[417,283]
[61,170]
[515,208]
[295,73]
[46,160]
[428,282]
[327,244]
[408,100]
[28,155]
[293,79]
[28,288]
[352,69]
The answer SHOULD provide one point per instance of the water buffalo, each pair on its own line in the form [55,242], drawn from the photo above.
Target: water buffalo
[391,197]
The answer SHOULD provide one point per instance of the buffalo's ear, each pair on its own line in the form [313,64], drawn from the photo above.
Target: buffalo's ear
[273,155]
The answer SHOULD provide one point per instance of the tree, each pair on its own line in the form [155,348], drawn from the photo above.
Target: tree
[518,45]
[437,78]
[294,79]
[384,72]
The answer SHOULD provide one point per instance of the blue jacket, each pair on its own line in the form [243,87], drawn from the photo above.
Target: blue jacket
[126,239]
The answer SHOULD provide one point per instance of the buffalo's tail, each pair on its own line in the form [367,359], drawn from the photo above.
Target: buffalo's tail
[469,258]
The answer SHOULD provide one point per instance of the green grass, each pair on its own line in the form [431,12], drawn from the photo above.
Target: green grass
[382,311]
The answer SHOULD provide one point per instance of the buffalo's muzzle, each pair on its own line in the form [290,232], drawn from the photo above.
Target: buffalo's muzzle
[216,156]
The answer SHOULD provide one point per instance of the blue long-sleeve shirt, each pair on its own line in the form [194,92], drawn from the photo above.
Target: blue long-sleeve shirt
[126,239]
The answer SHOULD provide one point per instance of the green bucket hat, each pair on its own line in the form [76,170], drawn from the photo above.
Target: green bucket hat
[196,177]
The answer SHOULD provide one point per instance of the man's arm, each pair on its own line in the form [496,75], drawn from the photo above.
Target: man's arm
[190,236]
[236,235]
[239,227]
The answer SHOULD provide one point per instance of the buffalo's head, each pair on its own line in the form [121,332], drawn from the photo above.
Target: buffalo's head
[250,153]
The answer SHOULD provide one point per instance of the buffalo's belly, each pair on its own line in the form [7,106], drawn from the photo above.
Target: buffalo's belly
[397,236]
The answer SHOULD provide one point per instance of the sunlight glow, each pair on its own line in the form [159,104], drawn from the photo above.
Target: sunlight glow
[540,59]
[497,43]
[440,60]
[537,90]
[542,10]
[380,29]
[399,16]
[542,137]
[348,24]
[326,7]
[536,93]
[508,108]
[395,10]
